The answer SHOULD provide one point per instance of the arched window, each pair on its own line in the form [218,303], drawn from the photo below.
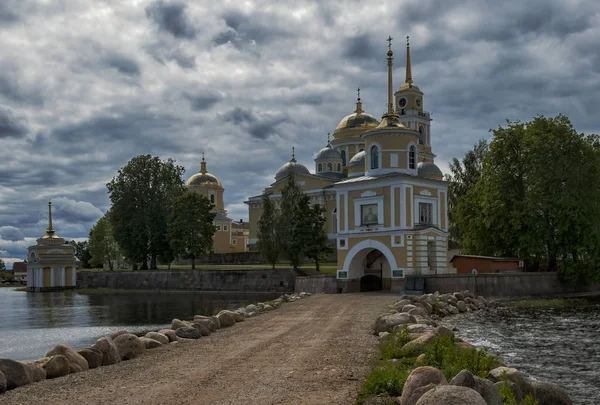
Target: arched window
[334,215]
[329,167]
[339,167]
[411,157]
[320,167]
[344,157]
[212,198]
[421,135]
[374,157]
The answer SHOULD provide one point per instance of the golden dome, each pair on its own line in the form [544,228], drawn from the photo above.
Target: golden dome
[408,86]
[358,119]
[203,178]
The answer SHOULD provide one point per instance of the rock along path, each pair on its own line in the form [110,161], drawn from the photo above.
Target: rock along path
[311,351]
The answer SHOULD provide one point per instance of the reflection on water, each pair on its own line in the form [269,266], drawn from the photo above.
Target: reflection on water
[32,323]
[559,345]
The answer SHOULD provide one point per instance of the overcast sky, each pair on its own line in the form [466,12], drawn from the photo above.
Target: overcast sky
[85,86]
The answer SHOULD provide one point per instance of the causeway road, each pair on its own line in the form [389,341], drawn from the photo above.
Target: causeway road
[317,350]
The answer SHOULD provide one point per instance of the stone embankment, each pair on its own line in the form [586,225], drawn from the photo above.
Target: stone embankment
[121,345]
[420,316]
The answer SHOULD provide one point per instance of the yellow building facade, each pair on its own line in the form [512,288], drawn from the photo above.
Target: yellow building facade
[386,200]
[229,237]
[51,264]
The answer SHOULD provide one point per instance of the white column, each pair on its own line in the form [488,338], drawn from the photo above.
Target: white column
[29,277]
[40,277]
[403,206]
[73,276]
[52,270]
[63,277]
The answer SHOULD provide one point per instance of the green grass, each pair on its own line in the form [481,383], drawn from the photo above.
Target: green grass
[11,285]
[546,303]
[387,379]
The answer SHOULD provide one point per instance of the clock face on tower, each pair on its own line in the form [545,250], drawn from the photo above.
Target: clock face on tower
[402,102]
[418,101]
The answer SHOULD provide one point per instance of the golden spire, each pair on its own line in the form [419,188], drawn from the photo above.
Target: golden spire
[390,54]
[359,109]
[50,229]
[203,165]
[408,67]
[328,136]
[293,154]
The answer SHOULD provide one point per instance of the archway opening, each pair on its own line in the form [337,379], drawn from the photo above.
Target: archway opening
[373,268]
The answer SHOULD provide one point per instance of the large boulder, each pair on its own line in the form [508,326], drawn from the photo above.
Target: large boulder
[55,366]
[178,323]
[77,362]
[150,343]
[36,372]
[204,331]
[420,380]
[115,334]
[400,304]
[2,382]
[408,307]
[217,322]
[15,372]
[188,333]
[129,346]
[442,331]
[462,307]
[485,388]
[386,322]
[110,353]
[550,394]
[514,375]
[170,333]
[452,309]
[513,387]
[451,395]
[225,319]
[92,355]
[419,328]
[208,323]
[419,342]
[417,311]
[159,337]
[236,315]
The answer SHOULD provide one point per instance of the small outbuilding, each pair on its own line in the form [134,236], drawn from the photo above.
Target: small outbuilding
[465,264]
[51,264]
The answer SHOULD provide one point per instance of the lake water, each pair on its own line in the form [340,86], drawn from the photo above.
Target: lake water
[32,323]
[560,345]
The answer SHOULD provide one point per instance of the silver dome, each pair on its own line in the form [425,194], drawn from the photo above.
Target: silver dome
[358,159]
[328,153]
[428,169]
[291,167]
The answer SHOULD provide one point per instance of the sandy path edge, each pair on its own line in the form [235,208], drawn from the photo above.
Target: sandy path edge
[312,351]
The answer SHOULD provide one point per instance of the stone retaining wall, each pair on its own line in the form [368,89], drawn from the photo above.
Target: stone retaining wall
[504,285]
[317,284]
[203,280]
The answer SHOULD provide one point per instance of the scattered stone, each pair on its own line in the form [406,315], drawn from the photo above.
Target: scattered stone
[428,307]
[236,316]
[386,322]
[419,328]
[114,335]
[451,395]
[252,308]
[420,360]
[400,304]
[462,307]
[515,390]
[452,309]
[485,388]
[419,342]
[384,336]
[442,331]
[129,346]
[420,380]
[15,372]
[408,307]
[170,333]
[204,331]
[418,312]
[268,308]
[188,333]
[550,394]
[225,320]
[2,382]
[77,362]
[459,296]
[93,356]
[514,375]
[55,366]
[110,353]
[178,323]
[159,337]
[36,372]
[217,321]
[150,343]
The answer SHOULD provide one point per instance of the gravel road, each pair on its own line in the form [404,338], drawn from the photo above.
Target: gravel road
[312,351]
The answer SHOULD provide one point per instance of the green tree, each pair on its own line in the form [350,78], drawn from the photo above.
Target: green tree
[103,246]
[142,196]
[269,244]
[291,223]
[2,265]
[82,253]
[317,246]
[191,227]
[538,197]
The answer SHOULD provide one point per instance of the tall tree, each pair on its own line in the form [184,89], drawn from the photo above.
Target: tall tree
[103,246]
[269,244]
[290,222]
[2,265]
[82,253]
[191,227]
[538,197]
[317,244]
[142,196]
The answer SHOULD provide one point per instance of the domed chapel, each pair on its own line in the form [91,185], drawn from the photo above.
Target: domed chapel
[386,200]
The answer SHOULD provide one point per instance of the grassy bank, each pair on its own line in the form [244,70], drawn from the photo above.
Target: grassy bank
[546,303]
[395,364]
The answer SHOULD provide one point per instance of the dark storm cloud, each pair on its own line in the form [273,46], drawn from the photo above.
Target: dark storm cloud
[10,127]
[7,15]
[259,126]
[361,47]
[246,28]
[123,64]
[171,17]
[201,102]
[13,90]
[11,233]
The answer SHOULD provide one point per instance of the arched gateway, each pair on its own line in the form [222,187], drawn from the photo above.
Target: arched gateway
[370,262]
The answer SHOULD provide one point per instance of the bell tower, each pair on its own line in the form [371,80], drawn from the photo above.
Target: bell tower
[409,104]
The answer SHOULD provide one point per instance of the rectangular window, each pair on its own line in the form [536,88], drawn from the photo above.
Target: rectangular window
[425,213]
[225,228]
[431,255]
[368,214]
[235,242]
[219,228]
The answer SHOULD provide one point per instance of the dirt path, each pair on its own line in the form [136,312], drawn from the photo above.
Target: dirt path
[312,351]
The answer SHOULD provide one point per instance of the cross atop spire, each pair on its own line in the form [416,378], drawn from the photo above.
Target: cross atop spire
[389,43]
[50,229]
[359,109]
[358,91]
[203,165]
[293,154]
[328,135]
[408,67]
[408,41]
[390,54]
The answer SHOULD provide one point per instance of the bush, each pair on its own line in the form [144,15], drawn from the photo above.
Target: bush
[385,380]
[392,349]
[508,397]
